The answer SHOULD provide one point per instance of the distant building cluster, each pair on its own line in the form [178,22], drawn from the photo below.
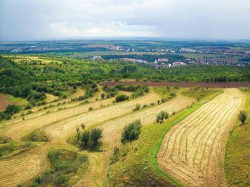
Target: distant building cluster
[97,58]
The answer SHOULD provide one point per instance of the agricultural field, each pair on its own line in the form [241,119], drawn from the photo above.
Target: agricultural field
[193,150]
[78,122]
[6,100]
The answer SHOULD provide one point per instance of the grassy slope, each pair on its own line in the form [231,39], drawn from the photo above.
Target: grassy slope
[140,167]
[237,158]
[137,165]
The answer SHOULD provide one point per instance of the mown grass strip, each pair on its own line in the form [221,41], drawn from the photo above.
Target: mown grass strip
[155,149]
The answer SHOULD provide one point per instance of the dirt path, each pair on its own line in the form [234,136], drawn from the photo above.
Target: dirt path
[96,176]
[193,150]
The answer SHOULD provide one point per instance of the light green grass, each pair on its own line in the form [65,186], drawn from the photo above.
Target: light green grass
[19,100]
[200,94]
[237,156]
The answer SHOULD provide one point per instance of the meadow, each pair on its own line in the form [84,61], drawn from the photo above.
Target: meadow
[66,127]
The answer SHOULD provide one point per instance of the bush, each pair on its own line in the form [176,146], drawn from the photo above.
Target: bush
[161,117]
[121,98]
[36,136]
[242,117]
[131,131]
[64,164]
[12,109]
[115,156]
[137,107]
[103,95]
[85,138]
[95,135]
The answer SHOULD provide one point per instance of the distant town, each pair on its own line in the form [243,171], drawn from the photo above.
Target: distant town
[159,54]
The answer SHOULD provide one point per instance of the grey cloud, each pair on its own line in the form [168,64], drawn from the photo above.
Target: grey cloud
[59,19]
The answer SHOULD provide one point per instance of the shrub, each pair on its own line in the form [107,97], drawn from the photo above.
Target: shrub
[115,156]
[95,135]
[161,117]
[242,116]
[61,180]
[103,95]
[137,107]
[64,164]
[121,98]
[12,109]
[36,136]
[85,138]
[131,131]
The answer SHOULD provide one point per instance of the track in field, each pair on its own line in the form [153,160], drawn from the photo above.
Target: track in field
[193,150]
[112,133]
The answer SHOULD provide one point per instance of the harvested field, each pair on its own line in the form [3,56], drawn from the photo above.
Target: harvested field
[17,127]
[23,167]
[112,133]
[69,125]
[184,84]
[193,150]
[35,156]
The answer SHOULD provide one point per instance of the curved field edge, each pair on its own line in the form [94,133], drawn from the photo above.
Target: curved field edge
[156,148]
[152,136]
[151,154]
[237,158]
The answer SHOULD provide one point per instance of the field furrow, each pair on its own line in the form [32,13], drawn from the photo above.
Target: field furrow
[112,134]
[67,126]
[20,128]
[193,150]
[23,167]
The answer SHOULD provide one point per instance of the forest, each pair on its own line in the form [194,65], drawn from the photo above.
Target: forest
[32,78]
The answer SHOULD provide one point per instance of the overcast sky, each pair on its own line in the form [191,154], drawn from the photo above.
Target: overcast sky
[82,19]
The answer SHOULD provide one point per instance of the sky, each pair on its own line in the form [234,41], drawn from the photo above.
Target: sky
[22,20]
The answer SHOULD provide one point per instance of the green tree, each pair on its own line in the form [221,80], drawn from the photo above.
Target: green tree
[131,131]
[12,109]
[103,95]
[161,117]
[95,135]
[121,98]
[85,138]
[242,117]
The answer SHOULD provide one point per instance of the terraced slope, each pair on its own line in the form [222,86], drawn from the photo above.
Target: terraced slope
[112,133]
[193,150]
[20,128]
[29,164]
[22,167]
[69,125]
